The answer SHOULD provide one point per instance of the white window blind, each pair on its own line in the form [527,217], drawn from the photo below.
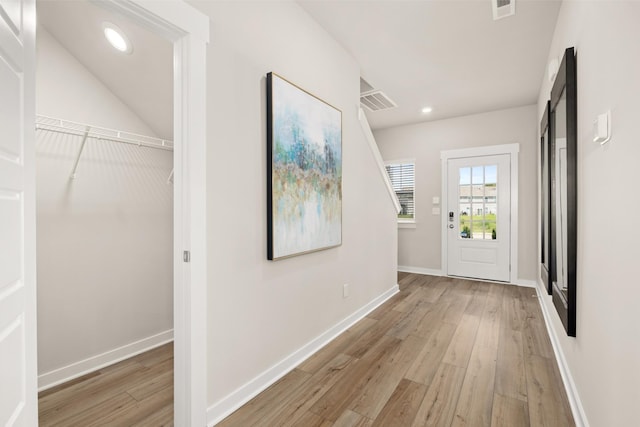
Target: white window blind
[403,182]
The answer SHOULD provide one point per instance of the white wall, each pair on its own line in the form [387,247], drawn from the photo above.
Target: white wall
[603,358]
[65,89]
[105,273]
[420,247]
[260,311]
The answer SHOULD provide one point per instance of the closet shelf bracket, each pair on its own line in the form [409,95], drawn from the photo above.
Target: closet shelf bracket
[84,141]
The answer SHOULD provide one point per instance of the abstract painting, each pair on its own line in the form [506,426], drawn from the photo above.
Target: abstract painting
[304,171]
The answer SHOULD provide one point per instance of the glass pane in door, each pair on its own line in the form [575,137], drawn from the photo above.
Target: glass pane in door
[478,202]
[464,209]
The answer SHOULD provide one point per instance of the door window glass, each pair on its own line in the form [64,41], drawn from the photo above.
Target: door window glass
[478,202]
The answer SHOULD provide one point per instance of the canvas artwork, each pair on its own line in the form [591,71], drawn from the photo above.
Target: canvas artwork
[304,167]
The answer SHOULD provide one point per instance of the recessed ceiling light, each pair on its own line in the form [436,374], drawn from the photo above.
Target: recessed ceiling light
[427,110]
[117,38]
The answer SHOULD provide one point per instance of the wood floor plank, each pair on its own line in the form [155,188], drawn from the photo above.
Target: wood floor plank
[512,308]
[478,300]
[428,360]
[338,345]
[290,411]
[110,391]
[262,405]
[155,356]
[89,413]
[352,419]
[381,385]
[79,398]
[432,319]
[456,307]
[309,419]
[511,378]
[407,325]
[57,389]
[439,403]
[409,279]
[362,344]
[160,380]
[435,289]
[402,406]
[389,305]
[133,411]
[91,385]
[509,412]
[416,296]
[547,400]
[459,349]
[160,418]
[535,338]
[476,395]
[356,378]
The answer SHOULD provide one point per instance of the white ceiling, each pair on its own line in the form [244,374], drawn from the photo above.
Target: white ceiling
[447,54]
[143,80]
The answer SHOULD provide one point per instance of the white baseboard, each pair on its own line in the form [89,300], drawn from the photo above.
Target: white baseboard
[579,415]
[433,272]
[83,367]
[420,270]
[227,405]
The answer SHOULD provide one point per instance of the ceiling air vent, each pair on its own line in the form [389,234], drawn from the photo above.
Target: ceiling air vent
[376,101]
[503,8]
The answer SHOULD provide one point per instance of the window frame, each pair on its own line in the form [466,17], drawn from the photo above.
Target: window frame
[404,222]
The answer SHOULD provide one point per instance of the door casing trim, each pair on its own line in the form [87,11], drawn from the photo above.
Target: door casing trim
[188,29]
[492,150]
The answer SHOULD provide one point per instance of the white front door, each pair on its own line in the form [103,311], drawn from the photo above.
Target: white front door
[478,217]
[18,371]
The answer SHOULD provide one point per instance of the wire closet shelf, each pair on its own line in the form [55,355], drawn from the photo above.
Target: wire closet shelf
[100,133]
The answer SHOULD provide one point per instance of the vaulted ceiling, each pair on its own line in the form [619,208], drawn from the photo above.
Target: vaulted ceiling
[446,54]
[143,80]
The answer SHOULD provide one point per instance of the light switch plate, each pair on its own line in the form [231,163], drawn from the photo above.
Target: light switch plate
[436,200]
[435,211]
[602,128]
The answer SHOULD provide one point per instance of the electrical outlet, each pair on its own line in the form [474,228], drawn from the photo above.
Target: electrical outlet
[345,290]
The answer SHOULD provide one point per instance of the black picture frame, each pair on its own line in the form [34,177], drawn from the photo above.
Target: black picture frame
[545,199]
[304,168]
[564,186]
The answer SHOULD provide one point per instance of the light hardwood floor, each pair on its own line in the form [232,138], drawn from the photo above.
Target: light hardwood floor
[442,352]
[135,392]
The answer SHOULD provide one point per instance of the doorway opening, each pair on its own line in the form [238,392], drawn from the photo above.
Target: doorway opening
[480,201]
[104,207]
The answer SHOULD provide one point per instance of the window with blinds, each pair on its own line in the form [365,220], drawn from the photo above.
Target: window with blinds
[403,182]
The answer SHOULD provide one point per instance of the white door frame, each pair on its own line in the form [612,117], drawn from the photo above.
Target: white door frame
[492,150]
[188,29]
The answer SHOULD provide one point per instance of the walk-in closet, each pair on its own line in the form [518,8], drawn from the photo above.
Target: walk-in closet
[104,156]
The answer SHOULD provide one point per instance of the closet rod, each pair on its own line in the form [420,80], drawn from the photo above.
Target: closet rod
[100,133]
